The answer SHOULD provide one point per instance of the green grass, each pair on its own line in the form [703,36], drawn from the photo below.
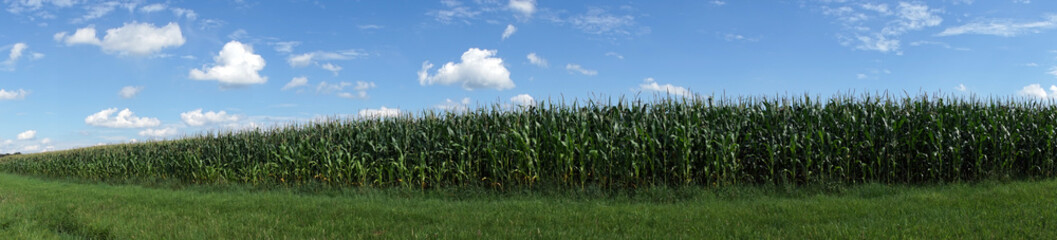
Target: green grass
[32,208]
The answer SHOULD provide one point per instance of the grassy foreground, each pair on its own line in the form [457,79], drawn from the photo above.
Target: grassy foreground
[31,208]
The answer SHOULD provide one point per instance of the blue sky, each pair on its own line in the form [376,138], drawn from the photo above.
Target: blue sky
[77,73]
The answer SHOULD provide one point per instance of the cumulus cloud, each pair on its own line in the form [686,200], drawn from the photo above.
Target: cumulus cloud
[158,133]
[236,65]
[510,30]
[580,69]
[123,119]
[536,60]
[13,94]
[305,59]
[961,88]
[524,7]
[479,69]
[27,135]
[296,82]
[523,100]
[649,84]
[1036,90]
[379,113]
[131,39]
[129,91]
[1001,27]
[451,105]
[198,118]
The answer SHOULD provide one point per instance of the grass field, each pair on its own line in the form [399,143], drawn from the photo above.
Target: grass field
[31,208]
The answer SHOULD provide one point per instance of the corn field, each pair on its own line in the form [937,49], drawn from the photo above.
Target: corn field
[667,142]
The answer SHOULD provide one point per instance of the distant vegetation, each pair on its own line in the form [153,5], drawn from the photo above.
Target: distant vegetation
[626,144]
[9,154]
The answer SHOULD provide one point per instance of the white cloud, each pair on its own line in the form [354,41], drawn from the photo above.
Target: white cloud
[1001,27]
[309,58]
[718,2]
[525,7]
[451,105]
[185,13]
[158,133]
[649,84]
[961,88]
[580,69]
[157,7]
[614,54]
[129,91]
[13,56]
[236,65]
[455,11]
[131,39]
[1053,71]
[27,135]
[878,27]
[102,9]
[370,26]
[327,88]
[123,119]
[510,30]
[198,118]
[16,51]
[296,82]
[598,21]
[878,42]
[360,89]
[286,47]
[13,94]
[379,113]
[536,60]
[523,100]
[1036,90]
[45,141]
[20,6]
[479,69]
[731,37]
[913,17]
[332,68]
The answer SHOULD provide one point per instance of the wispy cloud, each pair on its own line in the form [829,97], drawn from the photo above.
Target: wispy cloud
[1002,27]
[880,27]
[576,68]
